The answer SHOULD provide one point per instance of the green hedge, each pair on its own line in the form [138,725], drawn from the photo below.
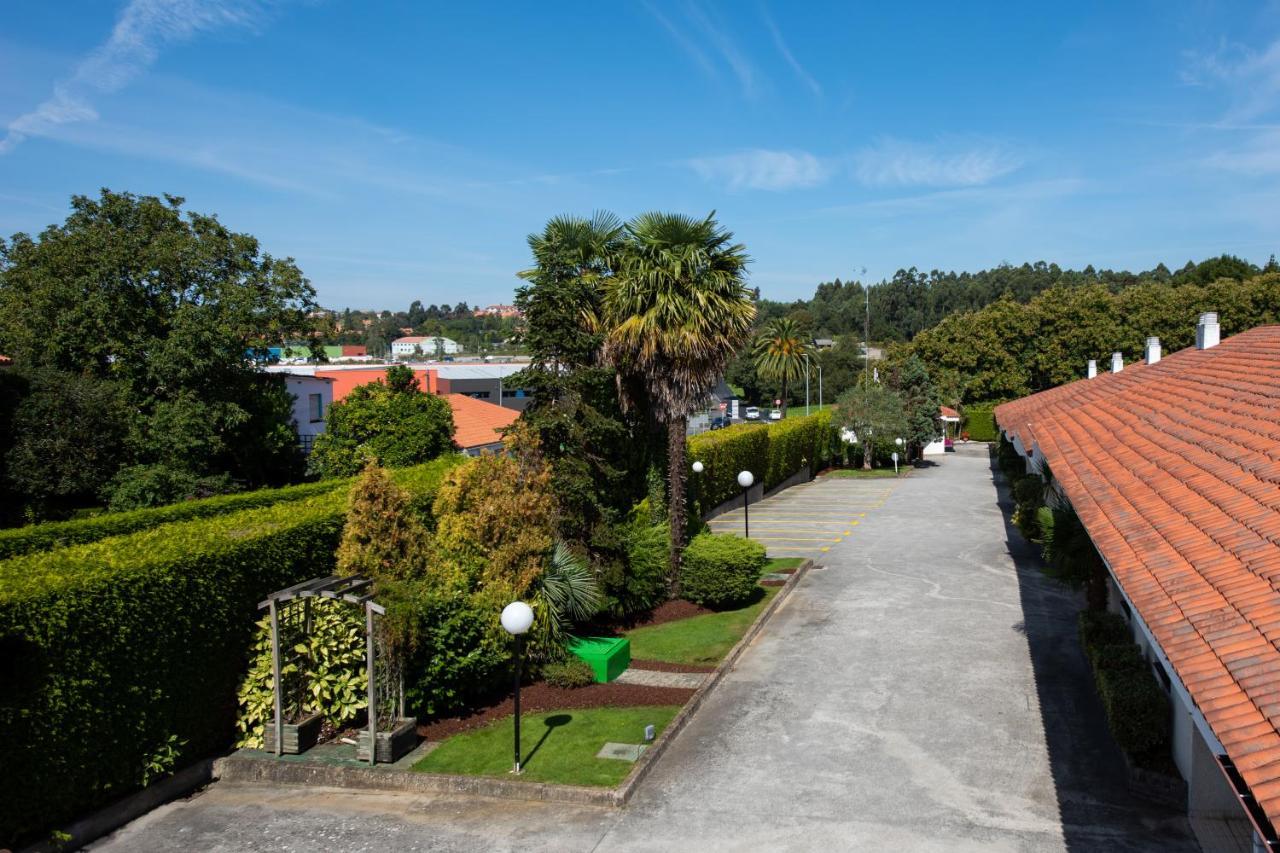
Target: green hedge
[772,452]
[56,534]
[120,658]
[980,423]
[1137,708]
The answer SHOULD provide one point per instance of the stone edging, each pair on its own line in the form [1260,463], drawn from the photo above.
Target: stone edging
[233,768]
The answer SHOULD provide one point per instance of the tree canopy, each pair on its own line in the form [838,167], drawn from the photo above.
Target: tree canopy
[393,421]
[163,306]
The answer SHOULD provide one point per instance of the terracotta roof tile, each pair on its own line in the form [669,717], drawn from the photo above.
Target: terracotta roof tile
[478,423]
[1173,469]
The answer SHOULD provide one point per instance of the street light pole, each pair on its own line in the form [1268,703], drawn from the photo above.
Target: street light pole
[745,479]
[819,386]
[517,619]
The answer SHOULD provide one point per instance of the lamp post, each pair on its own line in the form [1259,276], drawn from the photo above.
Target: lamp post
[517,619]
[698,468]
[745,479]
[806,384]
[898,442]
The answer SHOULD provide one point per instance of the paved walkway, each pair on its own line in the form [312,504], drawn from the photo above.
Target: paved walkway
[923,691]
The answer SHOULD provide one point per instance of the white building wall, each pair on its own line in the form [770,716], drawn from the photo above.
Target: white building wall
[305,389]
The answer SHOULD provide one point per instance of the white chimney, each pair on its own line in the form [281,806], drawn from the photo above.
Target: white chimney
[1093,368]
[1117,362]
[1153,350]
[1207,331]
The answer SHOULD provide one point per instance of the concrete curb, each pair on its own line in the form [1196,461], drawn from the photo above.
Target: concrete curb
[651,755]
[110,818]
[234,768]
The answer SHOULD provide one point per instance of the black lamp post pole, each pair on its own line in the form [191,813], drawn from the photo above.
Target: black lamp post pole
[517,709]
[746,515]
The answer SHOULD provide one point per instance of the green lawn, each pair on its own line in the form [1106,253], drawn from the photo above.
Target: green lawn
[859,474]
[558,746]
[798,411]
[701,640]
[782,564]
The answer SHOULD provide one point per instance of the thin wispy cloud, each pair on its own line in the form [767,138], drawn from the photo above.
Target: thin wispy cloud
[142,30]
[703,27]
[897,163]
[1251,78]
[785,50]
[759,169]
[1258,156]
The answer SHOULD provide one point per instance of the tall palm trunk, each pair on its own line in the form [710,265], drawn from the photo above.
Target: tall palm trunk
[676,430]
[866,453]
[784,397]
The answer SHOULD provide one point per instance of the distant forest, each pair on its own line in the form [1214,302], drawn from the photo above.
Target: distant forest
[913,301]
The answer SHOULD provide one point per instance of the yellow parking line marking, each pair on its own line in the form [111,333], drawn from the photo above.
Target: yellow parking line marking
[824,550]
[792,539]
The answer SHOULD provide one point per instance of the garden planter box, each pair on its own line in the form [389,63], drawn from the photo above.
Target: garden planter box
[608,657]
[393,744]
[298,737]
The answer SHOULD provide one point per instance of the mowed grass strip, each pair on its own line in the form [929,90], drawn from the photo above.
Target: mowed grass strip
[860,474]
[703,640]
[557,746]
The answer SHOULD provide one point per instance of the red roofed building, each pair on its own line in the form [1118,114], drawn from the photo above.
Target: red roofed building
[1173,467]
[478,424]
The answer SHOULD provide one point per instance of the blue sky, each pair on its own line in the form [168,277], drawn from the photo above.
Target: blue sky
[403,150]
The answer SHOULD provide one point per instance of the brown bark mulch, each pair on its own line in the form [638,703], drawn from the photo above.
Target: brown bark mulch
[543,697]
[773,583]
[671,611]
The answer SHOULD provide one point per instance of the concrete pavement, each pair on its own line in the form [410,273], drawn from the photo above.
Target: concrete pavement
[923,691]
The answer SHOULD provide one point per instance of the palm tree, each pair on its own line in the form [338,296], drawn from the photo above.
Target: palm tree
[674,313]
[780,354]
[571,257]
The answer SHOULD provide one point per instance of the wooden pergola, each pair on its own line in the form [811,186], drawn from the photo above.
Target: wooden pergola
[294,604]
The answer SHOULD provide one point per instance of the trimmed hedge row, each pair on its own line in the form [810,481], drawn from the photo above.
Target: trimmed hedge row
[120,658]
[56,534]
[980,423]
[771,452]
[1137,708]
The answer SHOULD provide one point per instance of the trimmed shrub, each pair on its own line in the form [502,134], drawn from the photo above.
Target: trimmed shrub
[772,452]
[1100,628]
[721,570]
[569,674]
[56,534]
[639,583]
[121,658]
[980,423]
[1137,708]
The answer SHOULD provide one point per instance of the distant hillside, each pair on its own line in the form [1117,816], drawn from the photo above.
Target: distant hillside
[913,301]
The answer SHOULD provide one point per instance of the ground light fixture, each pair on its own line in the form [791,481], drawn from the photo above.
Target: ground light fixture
[517,619]
[745,479]
[898,442]
[698,467]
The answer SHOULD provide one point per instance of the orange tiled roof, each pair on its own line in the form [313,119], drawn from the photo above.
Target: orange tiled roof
[477,422]
[1174,469]
[948,412]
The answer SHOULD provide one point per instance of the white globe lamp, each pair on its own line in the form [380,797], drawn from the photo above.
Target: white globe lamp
[745,479]
[698,467]
[517,618]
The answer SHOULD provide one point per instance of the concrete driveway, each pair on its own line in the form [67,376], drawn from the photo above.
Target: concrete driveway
[923,691]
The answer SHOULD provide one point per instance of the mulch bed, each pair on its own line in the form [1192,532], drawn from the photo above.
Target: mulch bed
[672,611]
[773,583]
[663,666]
[543,697]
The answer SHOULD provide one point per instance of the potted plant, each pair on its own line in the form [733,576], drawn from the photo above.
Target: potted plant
[298,736]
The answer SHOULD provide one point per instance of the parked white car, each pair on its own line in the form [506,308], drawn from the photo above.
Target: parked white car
[775,415]
[753,414]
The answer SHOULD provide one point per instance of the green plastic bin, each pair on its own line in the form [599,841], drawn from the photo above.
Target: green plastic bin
[607,656]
